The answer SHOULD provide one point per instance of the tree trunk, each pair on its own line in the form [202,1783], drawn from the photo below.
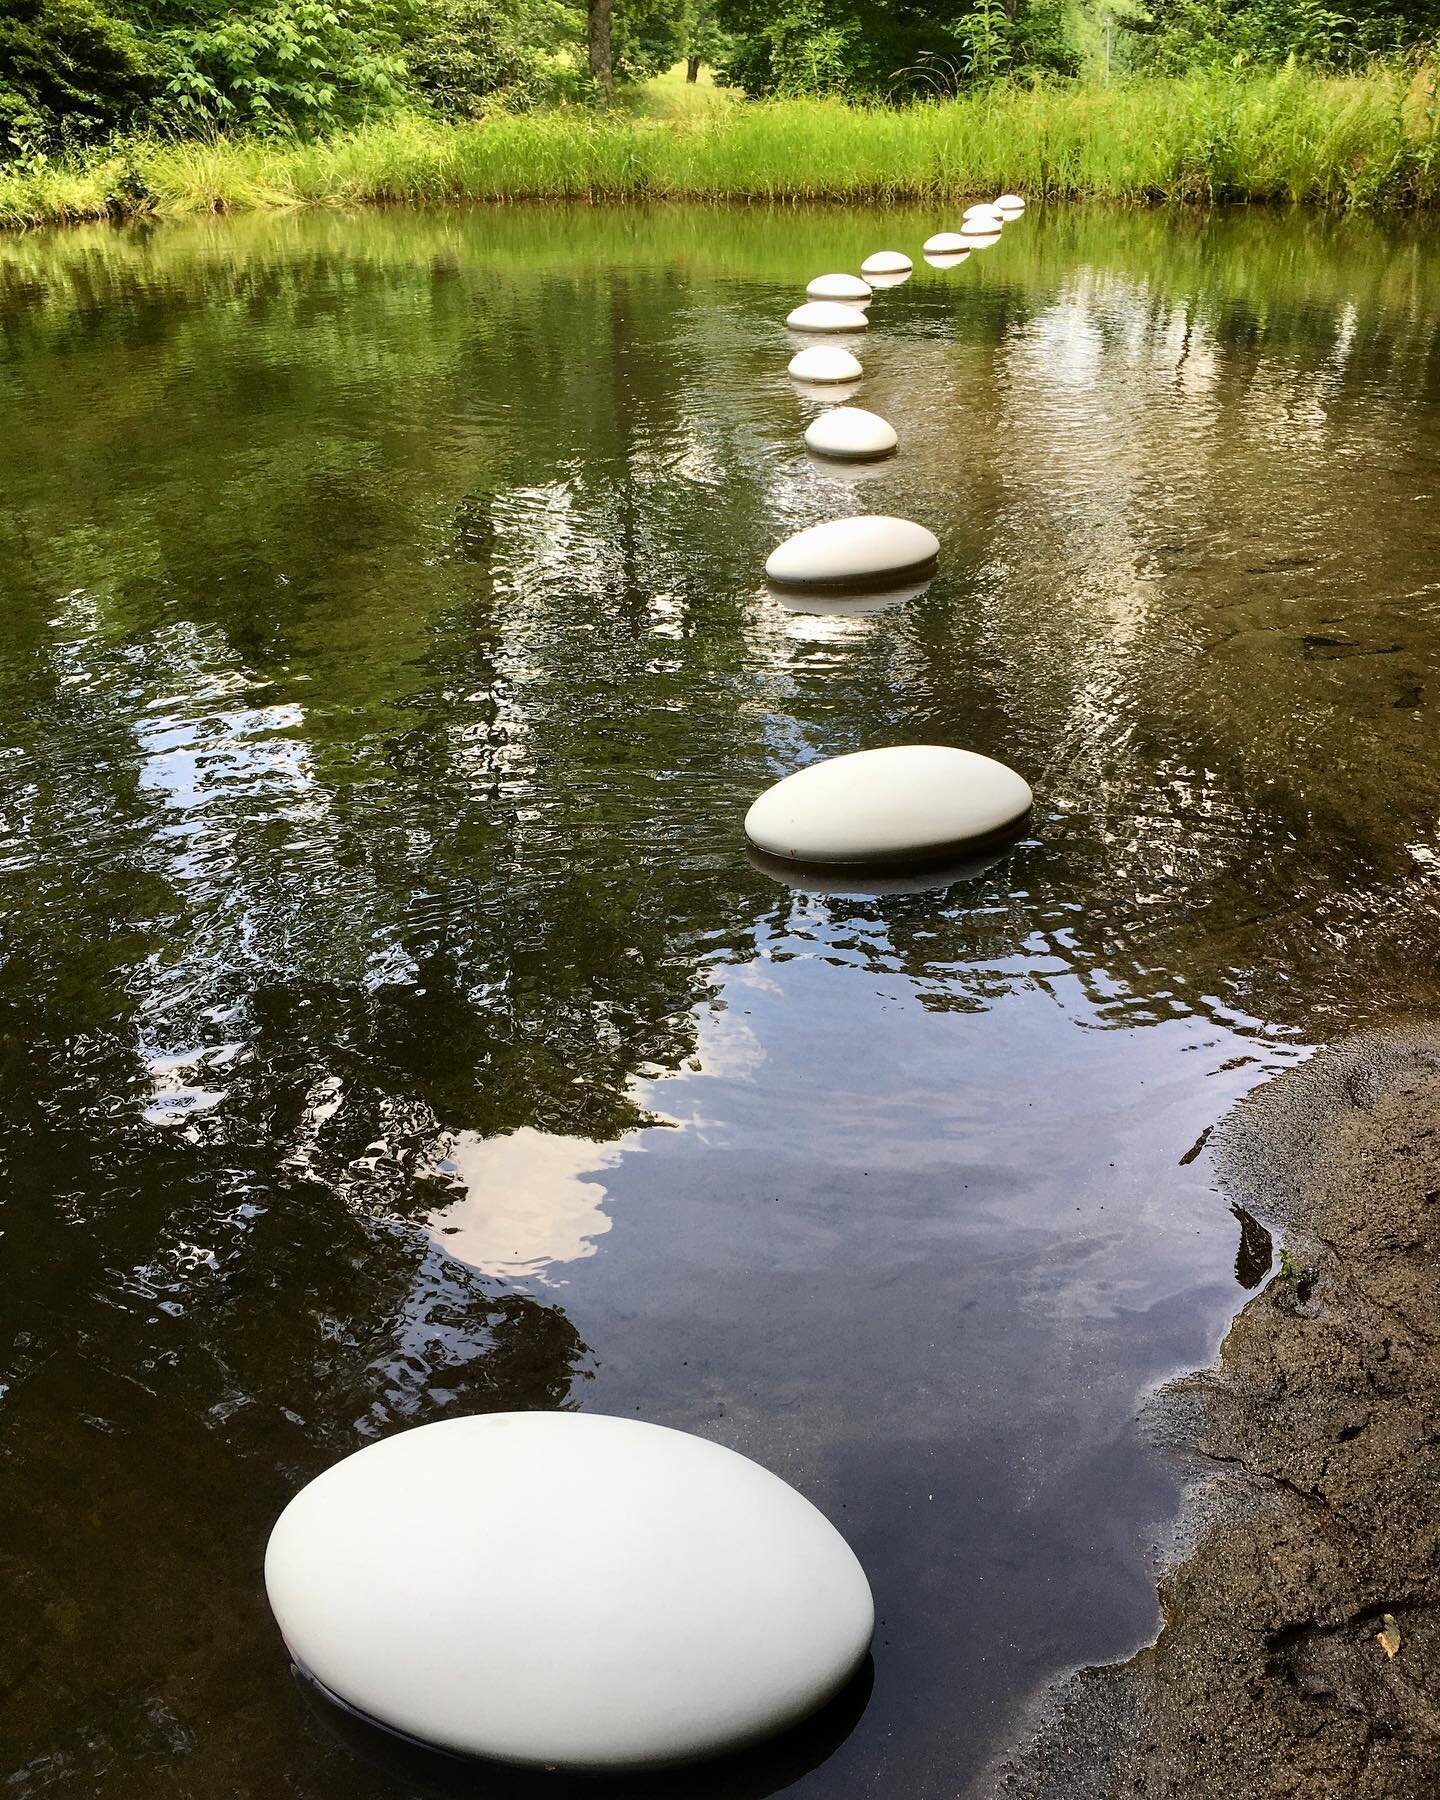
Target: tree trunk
[600,16]
[692,68]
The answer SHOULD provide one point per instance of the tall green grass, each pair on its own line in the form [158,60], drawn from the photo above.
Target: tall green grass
[1371,140]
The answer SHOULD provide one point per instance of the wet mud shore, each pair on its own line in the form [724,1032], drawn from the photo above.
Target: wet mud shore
[1300,1649]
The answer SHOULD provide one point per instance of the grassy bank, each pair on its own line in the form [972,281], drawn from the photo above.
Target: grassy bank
[1371,140]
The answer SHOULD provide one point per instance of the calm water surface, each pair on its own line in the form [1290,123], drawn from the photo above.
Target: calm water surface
[392,1025]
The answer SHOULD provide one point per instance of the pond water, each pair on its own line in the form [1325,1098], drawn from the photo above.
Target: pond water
[392,1024]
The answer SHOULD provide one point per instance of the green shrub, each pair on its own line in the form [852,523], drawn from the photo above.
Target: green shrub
[466,55]
[296,64]
[69,73]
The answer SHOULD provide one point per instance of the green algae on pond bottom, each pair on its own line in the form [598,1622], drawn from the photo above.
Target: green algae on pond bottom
[391,1021]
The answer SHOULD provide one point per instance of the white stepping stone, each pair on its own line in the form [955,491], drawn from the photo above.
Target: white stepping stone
[826,363]
[871,551]
[949,260]
[848,288]
[888,262]
[826,315]
[567,1590]
[850,434]
[1010,206]
[945,243]
[981,233]
[986,212]
[905,806]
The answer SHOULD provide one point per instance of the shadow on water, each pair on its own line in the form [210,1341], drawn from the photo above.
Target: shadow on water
[767,1769]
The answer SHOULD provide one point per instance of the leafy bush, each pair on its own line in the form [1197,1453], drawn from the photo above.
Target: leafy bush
[464,56]
[69,72]
[889,49]
[298,64]
[1180,35]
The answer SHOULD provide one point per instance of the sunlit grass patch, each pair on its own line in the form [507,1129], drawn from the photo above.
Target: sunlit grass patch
[1367,140]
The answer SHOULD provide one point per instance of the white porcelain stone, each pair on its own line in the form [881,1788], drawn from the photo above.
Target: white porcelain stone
[979,237]
[850,434]
[945,243]
[848,288]
[887,262]
[1010,206]
[870,551]
[987,212]
[905,806]
[826,315]
[567,1590]
[824,363]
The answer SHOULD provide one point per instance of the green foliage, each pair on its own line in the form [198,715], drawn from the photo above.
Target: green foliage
[1289,136]
[1187,34]
[464,56]
[299,64]
[69,72]
[649,36]
[889,49]
[701,34]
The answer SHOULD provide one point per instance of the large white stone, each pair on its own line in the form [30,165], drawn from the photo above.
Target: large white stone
[945,243]
[567,1590]
[910,805]
[824,363]
[949,259]
[870,551]
[848,288]
[987,213]
[1010,206]
[980,234]
[886,262]
[851,434]
[826,315]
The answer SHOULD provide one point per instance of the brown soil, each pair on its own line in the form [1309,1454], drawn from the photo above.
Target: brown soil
[1323,1524]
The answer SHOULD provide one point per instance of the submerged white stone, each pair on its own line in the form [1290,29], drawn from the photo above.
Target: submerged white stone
[944,243]
[824,363]
[1010,206]
[826,315]
[949,259]
[891,808]
[851,434]
[869,551]
[567,1590]
[848,288]
[887,262]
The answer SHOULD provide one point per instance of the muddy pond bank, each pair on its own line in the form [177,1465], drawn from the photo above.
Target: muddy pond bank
[1300,1654]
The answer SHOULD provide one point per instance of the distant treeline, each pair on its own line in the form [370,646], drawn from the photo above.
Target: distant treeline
[74,74]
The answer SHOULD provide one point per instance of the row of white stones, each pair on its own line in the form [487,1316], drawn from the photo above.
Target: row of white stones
[909,805]
[570,1591]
